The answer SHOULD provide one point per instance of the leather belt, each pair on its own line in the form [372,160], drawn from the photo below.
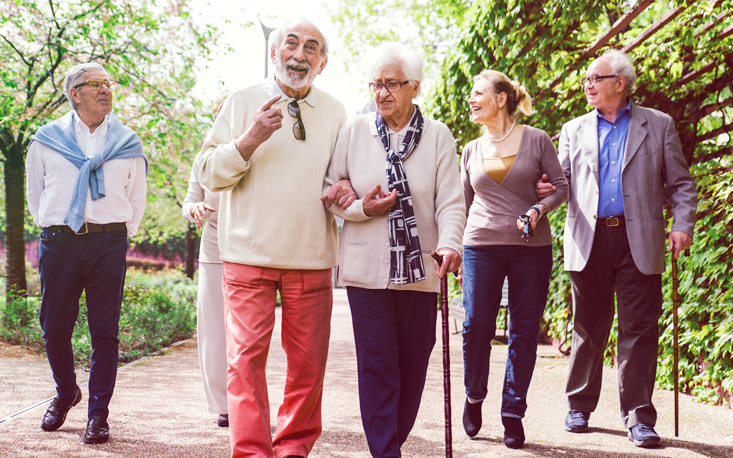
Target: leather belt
[611,222]
[88,228]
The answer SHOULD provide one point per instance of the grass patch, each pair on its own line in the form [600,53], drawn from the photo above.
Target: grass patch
[158,309]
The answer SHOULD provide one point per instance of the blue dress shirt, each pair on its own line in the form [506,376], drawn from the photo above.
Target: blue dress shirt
[611,148]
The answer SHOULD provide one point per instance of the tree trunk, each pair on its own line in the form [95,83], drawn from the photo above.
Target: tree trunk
[190,249]
[15,282]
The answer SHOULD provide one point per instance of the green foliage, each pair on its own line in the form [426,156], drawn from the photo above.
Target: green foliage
[157,310]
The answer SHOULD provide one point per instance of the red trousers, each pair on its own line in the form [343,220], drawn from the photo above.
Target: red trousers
[249,299]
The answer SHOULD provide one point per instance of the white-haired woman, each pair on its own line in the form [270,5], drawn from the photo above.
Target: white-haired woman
[401,216]
[499,171]
[200,203]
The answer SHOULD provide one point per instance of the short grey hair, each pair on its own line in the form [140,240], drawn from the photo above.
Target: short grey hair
[621,65]
[277,35]
[74,76]
[394,53]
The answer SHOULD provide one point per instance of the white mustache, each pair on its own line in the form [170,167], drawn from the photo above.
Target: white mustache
[297,65]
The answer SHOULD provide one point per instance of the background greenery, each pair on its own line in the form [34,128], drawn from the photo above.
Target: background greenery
[683,54]
[158,309]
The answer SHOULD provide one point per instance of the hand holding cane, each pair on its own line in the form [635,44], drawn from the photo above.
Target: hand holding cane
[446,358]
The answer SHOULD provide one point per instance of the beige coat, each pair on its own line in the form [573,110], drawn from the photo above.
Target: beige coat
[437,197]
[654,169]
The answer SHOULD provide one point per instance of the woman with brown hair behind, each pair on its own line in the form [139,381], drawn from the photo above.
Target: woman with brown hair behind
[507,235]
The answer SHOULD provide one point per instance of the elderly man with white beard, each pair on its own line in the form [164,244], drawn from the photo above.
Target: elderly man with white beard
[275,235]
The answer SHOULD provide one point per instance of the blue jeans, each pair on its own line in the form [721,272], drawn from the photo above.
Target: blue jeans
[484,270]
[68,265]
[394,332]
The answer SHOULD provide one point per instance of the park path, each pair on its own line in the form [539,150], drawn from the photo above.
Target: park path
[159,410]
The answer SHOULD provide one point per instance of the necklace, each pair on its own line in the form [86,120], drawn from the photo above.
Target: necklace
[505,136]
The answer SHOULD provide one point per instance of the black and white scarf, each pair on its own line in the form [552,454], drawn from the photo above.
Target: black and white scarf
[406,264]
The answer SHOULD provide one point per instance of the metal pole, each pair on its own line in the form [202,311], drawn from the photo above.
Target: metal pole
[266,32]
[446,358]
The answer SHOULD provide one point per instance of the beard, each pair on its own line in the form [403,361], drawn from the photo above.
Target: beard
[292,80]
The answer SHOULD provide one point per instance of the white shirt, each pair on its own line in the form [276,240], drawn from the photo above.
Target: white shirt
[52,180]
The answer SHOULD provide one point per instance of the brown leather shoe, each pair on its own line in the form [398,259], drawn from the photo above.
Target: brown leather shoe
[55,416]
[97,430]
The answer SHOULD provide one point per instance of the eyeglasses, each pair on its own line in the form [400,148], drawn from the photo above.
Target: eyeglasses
[391,85]
[298,127]
[96,85]
[593,80]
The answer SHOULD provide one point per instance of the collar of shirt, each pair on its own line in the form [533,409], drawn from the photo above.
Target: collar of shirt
[622,113]
[272,89]
[80,127]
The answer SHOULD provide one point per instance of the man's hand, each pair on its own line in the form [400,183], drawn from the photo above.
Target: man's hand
[543,187]
[340,193]
[266,121]
[679,241]
[198,211]
[451,262]
[378,203]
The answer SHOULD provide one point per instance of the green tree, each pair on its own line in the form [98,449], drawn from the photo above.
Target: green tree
[148,46]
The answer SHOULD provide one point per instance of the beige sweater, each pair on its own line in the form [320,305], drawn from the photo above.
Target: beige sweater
[437,198]
[270,209]
[493,208]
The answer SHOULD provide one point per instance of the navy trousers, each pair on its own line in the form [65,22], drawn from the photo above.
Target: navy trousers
[394,333]
[484,269]
[68,265]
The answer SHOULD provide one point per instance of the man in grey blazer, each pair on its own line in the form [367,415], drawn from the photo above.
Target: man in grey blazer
[622,162]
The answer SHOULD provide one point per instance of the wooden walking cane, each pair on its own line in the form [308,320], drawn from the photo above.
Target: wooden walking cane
[675,347]
[446,358]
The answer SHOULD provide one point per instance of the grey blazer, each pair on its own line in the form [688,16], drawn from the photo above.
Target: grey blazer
[654,169]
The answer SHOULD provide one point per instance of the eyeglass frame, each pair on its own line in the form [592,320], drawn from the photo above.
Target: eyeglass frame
[385,85]
[105,82]
[294,111]
[588,79]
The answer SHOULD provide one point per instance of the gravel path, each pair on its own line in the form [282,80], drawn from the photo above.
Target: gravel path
[159,410]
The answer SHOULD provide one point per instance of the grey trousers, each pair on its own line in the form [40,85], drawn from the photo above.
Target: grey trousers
[610,270]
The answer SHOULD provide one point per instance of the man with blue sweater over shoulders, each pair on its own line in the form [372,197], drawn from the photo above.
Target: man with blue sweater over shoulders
[86,188]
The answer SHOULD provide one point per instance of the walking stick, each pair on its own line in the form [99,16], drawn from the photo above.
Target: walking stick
[446,358]
[676,355]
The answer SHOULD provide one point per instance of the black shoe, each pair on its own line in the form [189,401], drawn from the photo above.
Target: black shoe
[644,436]
[472,417]
[577,422]
[223,420]
[97,431]
[56,414]
[513,432]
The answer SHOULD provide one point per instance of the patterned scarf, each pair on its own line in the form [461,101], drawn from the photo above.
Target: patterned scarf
[406,264]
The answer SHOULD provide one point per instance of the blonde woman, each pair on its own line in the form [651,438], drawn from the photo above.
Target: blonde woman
[499,172]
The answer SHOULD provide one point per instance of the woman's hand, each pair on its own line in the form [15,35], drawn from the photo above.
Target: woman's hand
[451,261]
[533,218]
[378,203]
[198,211]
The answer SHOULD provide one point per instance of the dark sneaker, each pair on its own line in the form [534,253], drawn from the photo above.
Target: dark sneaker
[472,417]
[644,436]
[223,420]
[513,432]
[577,422]
[55,416]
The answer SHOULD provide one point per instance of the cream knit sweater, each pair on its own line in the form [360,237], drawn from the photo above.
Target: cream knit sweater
[270,209]
[437,198]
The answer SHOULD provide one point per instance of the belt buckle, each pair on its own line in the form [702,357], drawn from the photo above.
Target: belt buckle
[85,227]
[612,222]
